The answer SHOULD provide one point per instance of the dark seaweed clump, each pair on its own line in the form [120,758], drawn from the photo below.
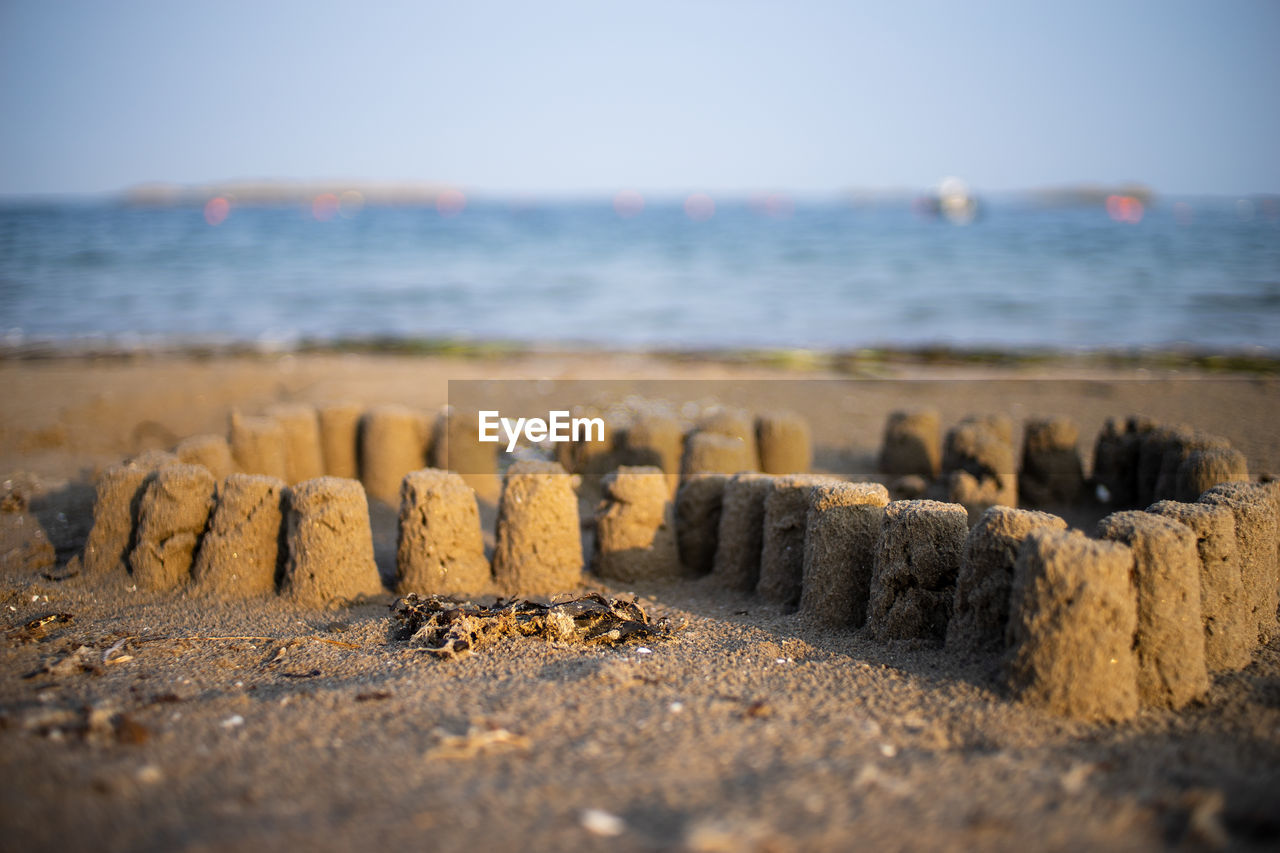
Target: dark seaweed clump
[448,629]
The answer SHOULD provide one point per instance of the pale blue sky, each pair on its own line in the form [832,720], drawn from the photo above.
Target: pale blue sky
[585,97]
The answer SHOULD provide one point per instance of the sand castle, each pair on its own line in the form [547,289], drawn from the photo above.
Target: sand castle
[539,547]
[1073,613]
[1094,628]
[330,543]
[842,526]
[439,543]
[786,507]
[240,553]
[985,577]
[740,532]
[636,527]
[784,442]
[698,508]
[913,578]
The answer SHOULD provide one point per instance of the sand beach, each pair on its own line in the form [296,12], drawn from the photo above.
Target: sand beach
[161,719]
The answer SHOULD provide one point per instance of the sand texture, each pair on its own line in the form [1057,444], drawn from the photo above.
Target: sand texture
[1169,640]
[1073,613]
[138,720]
[636,527]
[917,560]
[740,531]
[172,517]
[439,544]
[539,545]
[842,527]
[981,609]
[240,551]
[330,544]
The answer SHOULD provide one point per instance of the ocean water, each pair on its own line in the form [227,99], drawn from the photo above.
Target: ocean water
[1203,274]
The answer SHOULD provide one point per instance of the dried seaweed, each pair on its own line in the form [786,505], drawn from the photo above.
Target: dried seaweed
[447,628]
[36,629]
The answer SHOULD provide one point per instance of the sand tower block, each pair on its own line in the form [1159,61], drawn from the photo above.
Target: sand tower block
[439,546]
[785,443]
[239,555]
[539,544]
[997,423]
[1073,614]
[211,451]
[912,444]
[587,455]
[786,509]
[1272,489]
[655,439]
[456,446]
[712,453]
[842,526]
[1117,456]
[259,445]
[115,515]
[636,527]
[981,611]
[303,454]
[740,534]
[979,450]
[329,556]
[1230,629]
[154,460]
[1181,444]
[1201,470]
[1255,545]
[393,442]
[698,509]
[339,433]
[917,560]
[735,423]
[172,517]
[1052,472]
[1151,447]
[1169,641]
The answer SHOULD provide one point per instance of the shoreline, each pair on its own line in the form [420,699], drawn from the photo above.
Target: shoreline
[851,361]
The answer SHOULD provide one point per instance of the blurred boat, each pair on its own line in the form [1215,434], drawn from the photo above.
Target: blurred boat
[952,201]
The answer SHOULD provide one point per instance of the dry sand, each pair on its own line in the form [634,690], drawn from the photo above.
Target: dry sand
[263,725]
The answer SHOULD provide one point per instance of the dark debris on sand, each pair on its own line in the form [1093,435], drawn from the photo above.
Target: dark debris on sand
[448,629]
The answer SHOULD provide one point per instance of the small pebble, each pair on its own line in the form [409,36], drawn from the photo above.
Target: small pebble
[600,822]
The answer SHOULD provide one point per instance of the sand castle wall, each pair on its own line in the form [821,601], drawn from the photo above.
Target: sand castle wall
[330,544]
[339,436]
[240,552]
[1230,629]
[740,533]
[393,442]
[912,444]
[172,516]
[1169,640]
[842,527]
[1073,614]
[636,527]
[539,544]
[698,508]
[439,544]
[914,575]
[784,442]
[983,583]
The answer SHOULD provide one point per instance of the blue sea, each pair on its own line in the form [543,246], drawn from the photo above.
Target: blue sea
[1202,274]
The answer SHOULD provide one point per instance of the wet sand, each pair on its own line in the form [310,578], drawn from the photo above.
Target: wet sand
[265,725]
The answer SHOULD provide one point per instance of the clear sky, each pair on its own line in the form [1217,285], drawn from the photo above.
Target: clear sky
[572,97]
